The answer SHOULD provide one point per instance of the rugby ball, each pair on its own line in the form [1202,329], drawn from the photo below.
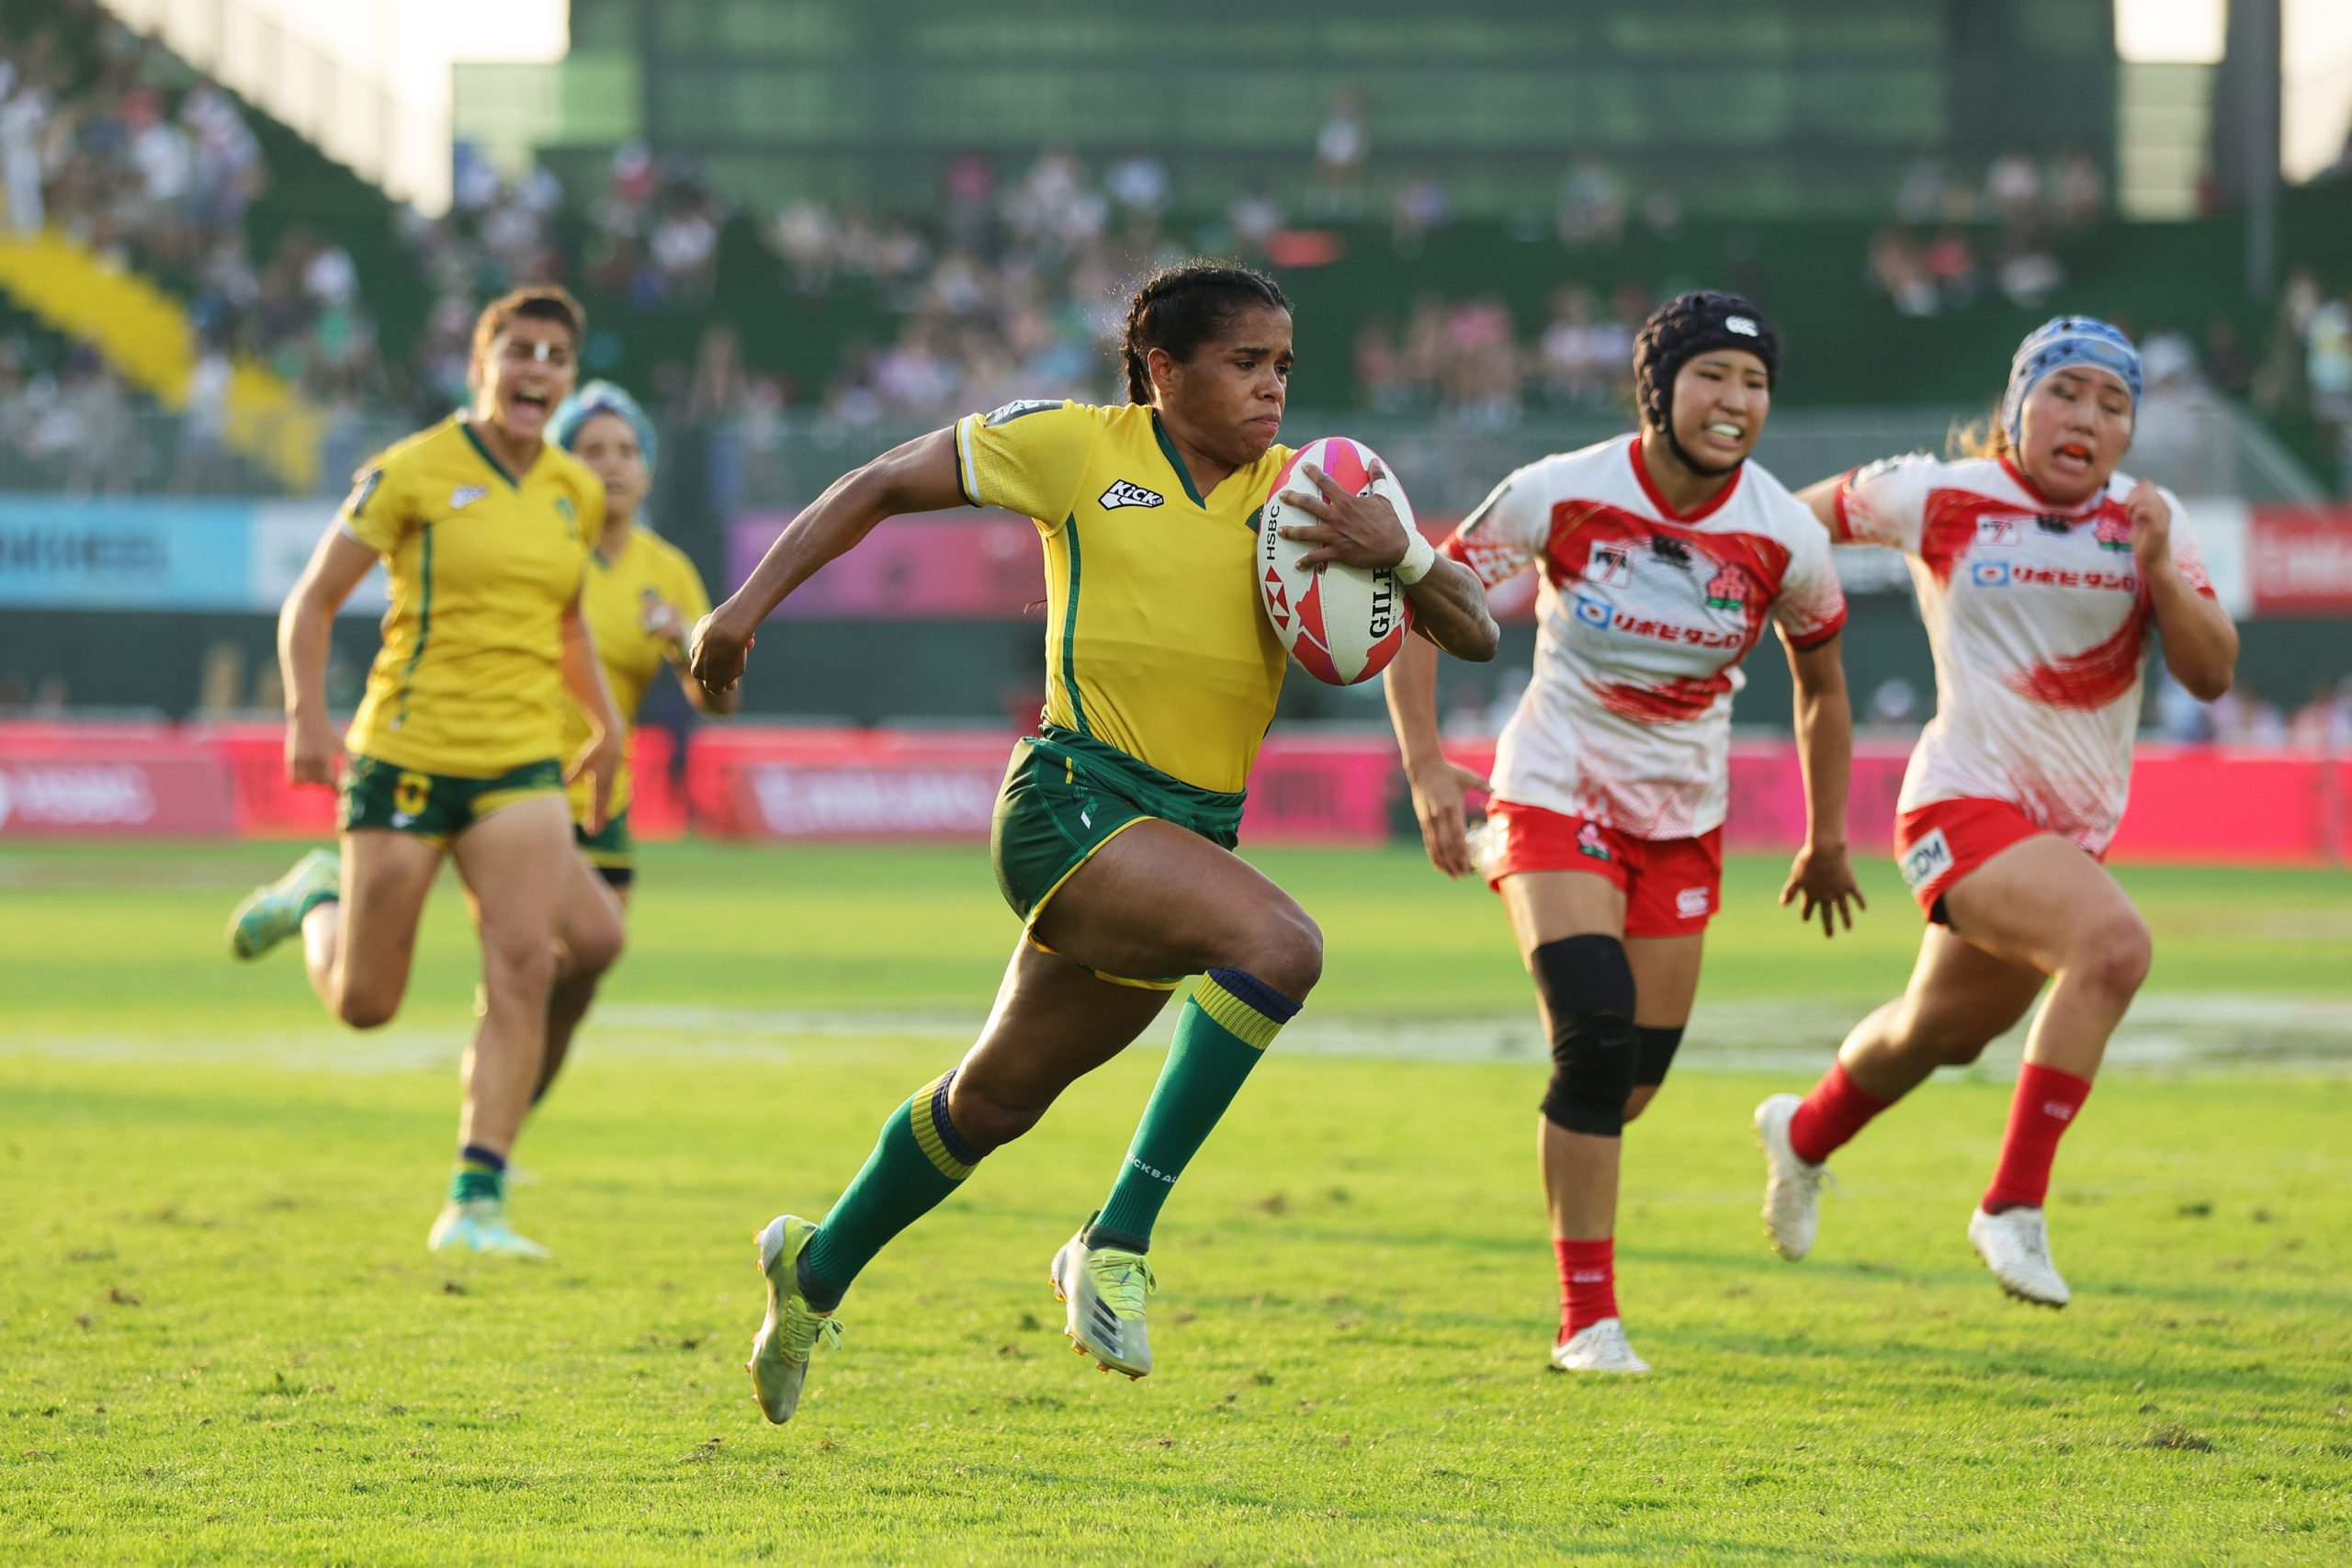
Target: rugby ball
[1343,623]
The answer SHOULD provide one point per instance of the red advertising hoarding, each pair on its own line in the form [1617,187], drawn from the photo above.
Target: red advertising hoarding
[2189,805]
[111,781]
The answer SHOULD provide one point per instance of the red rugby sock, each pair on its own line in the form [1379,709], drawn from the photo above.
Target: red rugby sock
[1587,1283]
[2044,1106]
[1831,1115]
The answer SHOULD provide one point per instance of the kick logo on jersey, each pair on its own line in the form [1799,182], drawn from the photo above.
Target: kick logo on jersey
[1925,860]
[466,495]
[1126,493]
[1610,566]
[1990,574]
[2113,533]
[1998,530]
[1015,409]
[1593,612]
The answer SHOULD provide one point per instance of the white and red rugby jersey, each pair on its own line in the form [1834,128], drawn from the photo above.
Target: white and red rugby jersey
[1643,617]
[2040,624]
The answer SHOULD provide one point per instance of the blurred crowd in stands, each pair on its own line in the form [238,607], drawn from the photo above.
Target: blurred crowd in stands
[1011,281]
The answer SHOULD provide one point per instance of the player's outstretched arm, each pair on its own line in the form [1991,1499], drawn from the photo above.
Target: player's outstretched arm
[1822,879]
[305,630]
[918,477]
[1439,788]
[1448,602]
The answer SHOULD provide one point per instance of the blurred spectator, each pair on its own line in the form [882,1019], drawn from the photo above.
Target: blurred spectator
[1420,205]
[1592,205]
[2243,716]
[2013,190]
[2029,272]
[1256,218]
[1895,704]
[1924,193]
[1342,147]
[1899,271]
[1952,268]
[2077,189]
[1581,358]
[2227,365]
[2324,722]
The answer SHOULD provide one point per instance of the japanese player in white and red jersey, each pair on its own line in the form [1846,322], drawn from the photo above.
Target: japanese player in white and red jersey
[2042,574]
[1661,558]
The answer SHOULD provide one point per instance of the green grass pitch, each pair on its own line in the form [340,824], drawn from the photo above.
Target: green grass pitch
[220,1339]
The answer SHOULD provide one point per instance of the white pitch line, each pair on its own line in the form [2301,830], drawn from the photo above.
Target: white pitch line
[2176,1031]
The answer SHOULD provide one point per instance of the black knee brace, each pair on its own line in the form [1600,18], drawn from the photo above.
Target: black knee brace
[1588,991]
[1658,1048]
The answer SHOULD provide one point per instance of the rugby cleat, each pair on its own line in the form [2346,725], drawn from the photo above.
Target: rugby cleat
[1104,1289]
[1597,1348]
[273,912]
[1791,1182]
[479,1225]
[2015,1245]
[790,1331]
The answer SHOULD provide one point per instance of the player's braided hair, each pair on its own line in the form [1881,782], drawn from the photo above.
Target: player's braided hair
[1182,307]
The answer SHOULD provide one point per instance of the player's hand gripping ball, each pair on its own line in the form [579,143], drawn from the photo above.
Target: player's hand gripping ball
[1343,622]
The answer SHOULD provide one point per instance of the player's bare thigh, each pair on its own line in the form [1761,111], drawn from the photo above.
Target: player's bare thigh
[519,866]
[1961,998]
[1052,1024]
[2043,904]
[386,877]
[1158,900]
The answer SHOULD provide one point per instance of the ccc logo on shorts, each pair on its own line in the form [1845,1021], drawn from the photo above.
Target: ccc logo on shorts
[410,793]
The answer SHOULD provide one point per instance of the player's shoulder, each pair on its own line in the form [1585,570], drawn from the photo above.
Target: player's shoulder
[1765,507]
[1039,416]
[661,554]
[568,472]
[436,444]
[1605,466]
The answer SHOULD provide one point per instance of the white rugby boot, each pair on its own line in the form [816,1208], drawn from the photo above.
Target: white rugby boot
[479,1225]
[1597,1348]
[790,1331]
[1104,1289]
[1791,1182]
[2015,1245]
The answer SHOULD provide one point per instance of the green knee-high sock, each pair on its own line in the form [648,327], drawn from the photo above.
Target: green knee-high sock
[1230,1019]
[917,1162]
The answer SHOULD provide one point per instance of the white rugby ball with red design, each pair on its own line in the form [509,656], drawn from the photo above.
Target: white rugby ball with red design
[1343,623]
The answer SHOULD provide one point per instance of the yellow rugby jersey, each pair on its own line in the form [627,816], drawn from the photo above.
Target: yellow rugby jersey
[619,594]
[1154,639]
[469,681]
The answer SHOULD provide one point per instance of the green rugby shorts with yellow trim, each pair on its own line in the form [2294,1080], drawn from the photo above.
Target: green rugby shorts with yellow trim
[435,807]
[1066,795]
[612,851]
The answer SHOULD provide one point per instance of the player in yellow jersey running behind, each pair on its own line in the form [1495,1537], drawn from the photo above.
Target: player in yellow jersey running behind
[458,749]
[1114,831]
[641,596]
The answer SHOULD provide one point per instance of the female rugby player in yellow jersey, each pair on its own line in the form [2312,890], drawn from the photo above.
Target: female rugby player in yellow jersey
[458,748]
[1114,831]
[640,597]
